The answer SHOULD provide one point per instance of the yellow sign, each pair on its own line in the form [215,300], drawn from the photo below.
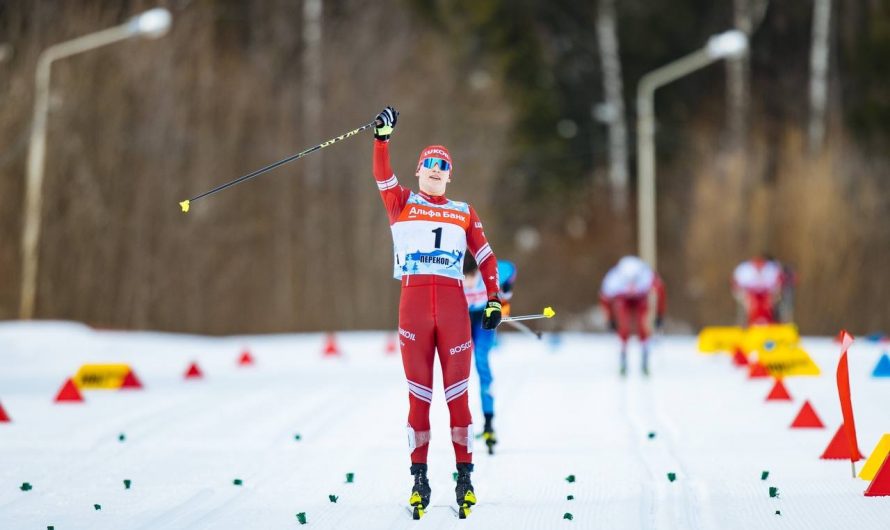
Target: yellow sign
[782,360]
[773,335]
[101,376]
[716,339]
[877,457]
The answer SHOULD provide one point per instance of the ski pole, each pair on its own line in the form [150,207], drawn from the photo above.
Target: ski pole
[548,313]
[187,203]
[523,328]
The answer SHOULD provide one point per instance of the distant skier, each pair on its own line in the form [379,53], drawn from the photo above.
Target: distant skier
[757,285]
[624,297]
[483,339]
[430,236]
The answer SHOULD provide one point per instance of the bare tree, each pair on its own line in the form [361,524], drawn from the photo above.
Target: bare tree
[747,15]
[607,36]
[819,74]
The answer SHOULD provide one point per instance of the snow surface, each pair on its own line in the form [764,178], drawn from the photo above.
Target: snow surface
[561,410]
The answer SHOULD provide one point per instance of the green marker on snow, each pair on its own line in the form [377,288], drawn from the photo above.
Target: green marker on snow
[778,512]
[651,435]
[333,498]
[570,497]
[237,482]
[568,516]
[121,437]
[127,483]
[350,477]
[297,437]
[763,475]
[570,478]
[773,491]
[97,507]
[301,517]
[26,486]
[672,476]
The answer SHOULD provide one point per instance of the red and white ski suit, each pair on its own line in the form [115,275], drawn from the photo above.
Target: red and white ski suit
[624,296]
[757,284]
[430,237]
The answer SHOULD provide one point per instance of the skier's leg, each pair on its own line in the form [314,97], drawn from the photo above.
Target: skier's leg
[483,341]
[417,334]
[623,320]
[455,346]
[642,316]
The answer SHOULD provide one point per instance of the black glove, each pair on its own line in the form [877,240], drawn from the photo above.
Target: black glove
[491,316]
[659,321]
[386,122]
[613,325]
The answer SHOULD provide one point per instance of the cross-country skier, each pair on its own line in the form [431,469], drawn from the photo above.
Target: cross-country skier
[757,285]
[483,339]
[624,297]
[430,236]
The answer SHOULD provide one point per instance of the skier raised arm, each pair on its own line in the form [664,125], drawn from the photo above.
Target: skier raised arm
[430,236]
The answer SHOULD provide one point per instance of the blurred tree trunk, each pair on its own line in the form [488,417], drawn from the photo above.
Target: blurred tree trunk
[610,58]
[313,197]
[819,74]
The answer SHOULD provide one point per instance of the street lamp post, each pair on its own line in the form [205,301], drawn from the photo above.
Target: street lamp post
[725,45]
[151,24]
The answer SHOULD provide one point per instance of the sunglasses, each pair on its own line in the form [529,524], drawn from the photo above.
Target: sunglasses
[430,163]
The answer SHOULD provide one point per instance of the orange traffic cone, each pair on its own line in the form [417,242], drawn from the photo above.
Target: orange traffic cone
[69,393]
[330,346]
[807,418]
[194,372]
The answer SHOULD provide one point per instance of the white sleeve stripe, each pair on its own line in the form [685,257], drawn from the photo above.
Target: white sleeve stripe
[391,182]
[483,254]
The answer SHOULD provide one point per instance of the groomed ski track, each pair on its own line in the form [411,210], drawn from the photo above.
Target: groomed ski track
[562,410]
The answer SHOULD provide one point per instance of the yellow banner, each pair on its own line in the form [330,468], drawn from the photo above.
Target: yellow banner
[758,337]
[101,376]
[716,339]
[783,360]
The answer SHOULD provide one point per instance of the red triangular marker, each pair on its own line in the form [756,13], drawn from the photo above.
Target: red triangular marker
[778,392]
[391,347]
[757,371]
[4,418]
[69,392]
[880,485]
[739,358]
[330,346]
[246,359]
[131,381]
[807,418]
[838,448]
[194,372]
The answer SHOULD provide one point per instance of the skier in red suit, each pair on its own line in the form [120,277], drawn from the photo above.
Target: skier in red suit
[430,236]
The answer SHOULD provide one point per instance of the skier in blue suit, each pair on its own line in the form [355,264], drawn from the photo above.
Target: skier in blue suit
[484,339]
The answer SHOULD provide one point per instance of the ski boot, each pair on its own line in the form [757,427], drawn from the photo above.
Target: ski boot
[488,434]
[466,497]
[420,495]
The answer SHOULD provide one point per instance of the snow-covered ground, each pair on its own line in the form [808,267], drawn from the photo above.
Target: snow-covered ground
[562,410]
